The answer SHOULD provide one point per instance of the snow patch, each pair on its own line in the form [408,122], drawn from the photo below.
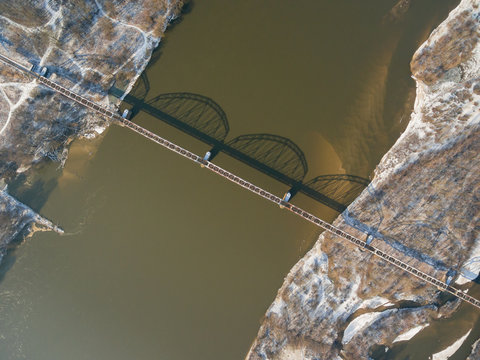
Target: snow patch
[351,303]
[452,349]
[276,307]
[471,267]
[410,333]
[375,302]
[92,133]
[362,322]
[26,89]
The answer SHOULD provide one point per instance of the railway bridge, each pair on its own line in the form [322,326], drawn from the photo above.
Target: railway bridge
[364,245]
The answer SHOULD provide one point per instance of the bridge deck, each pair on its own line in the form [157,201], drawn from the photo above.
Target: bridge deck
[247,185]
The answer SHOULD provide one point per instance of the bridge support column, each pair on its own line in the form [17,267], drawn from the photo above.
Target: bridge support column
[369,239]
[209,155]
[289,195]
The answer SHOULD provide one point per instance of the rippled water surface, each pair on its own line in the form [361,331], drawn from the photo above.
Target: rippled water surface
[164,260]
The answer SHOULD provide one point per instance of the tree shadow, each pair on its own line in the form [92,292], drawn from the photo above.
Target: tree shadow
[9,257]
[157,53]
[33,189]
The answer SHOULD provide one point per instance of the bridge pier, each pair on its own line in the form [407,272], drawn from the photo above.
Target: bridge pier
[288,196]
[369,239]
[209,155]
[126,114]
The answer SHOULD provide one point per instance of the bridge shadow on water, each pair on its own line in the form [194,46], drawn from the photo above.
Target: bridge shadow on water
[273,155]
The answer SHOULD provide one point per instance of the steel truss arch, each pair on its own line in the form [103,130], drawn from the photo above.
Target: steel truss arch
[197,111]
[342,188]
[276,152]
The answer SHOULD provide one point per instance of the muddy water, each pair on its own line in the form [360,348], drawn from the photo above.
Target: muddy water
[163,260]
[441,334]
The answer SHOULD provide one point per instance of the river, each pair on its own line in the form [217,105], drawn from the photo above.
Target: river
[162,259]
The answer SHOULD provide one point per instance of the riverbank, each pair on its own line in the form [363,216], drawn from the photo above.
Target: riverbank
[87,47]
[420,207]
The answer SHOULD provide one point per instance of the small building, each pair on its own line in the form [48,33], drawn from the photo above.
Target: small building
[40,70]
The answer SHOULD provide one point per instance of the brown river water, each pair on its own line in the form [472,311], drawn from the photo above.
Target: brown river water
[164,260]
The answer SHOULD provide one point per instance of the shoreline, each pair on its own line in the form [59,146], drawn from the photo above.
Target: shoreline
[87,75]
[424,226]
